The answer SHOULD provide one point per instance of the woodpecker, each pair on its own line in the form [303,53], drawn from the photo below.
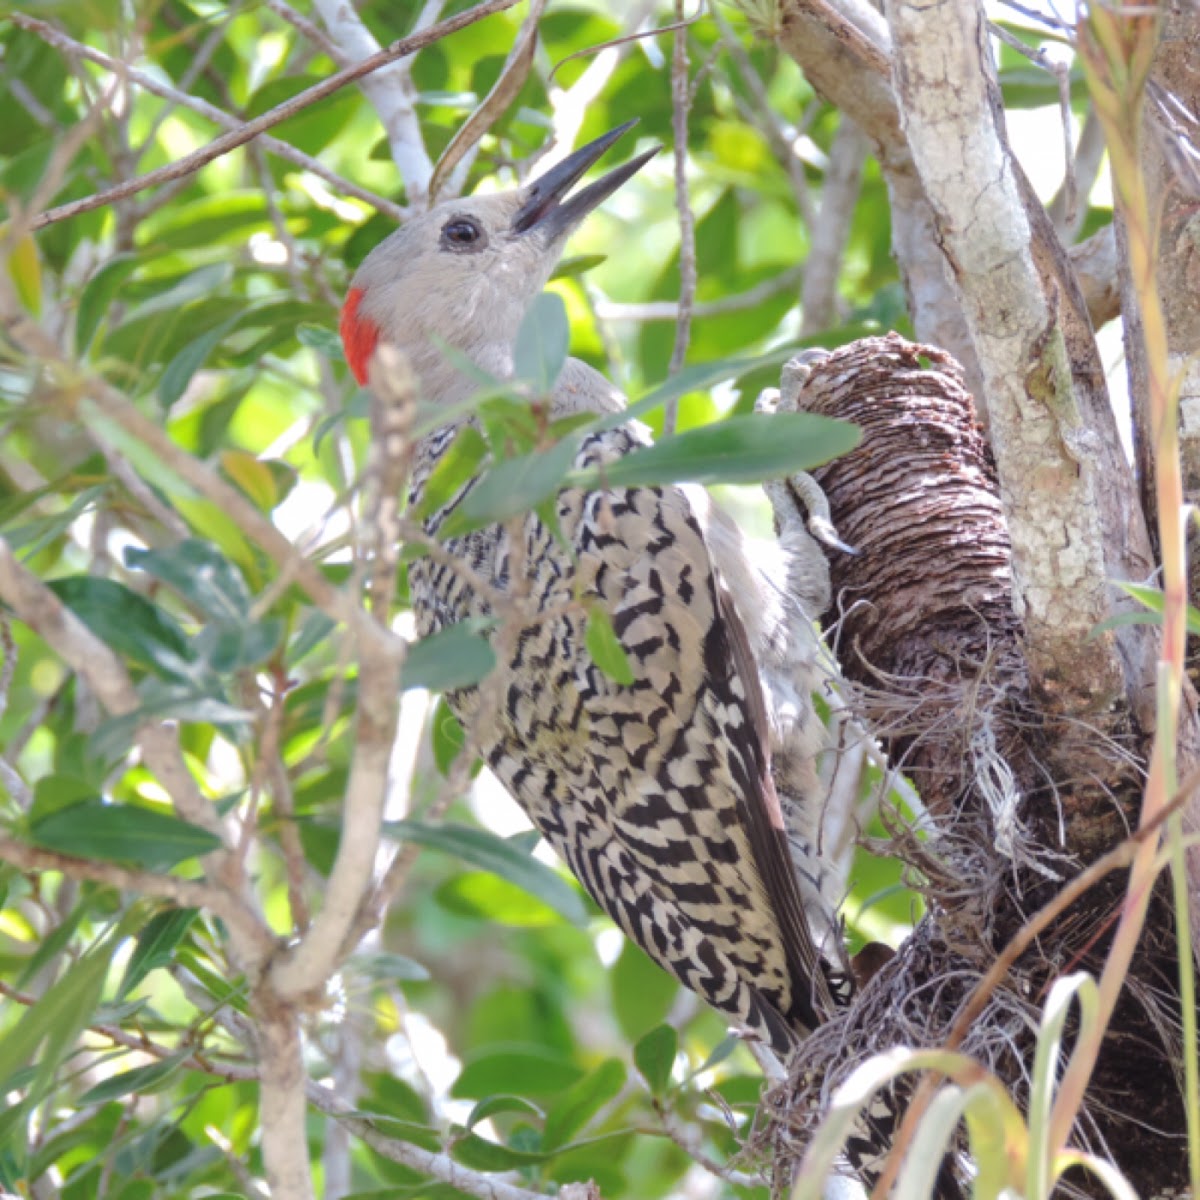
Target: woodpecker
[658,794]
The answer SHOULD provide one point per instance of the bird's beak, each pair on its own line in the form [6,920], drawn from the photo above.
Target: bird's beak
[541,209]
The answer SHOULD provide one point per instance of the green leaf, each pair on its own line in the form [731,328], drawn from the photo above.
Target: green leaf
[655,1057]
[395,968]
[481,894]
[540,1072]
[577,265]
[139,1081]
[32,537]
[98,295]
[164,702]
[455,657]
[514,486]
[542,341]
[510,421]
[449,737]
[481,1155]
[720,1052]
[252,476]
[146,462]
[179,371]
[201,574]
[485,850]
[122,833]
[1152,598]
[52,946]
[60,790]
[583,1101]
[226,217]
[746,449]
[155,946]
[698,378]
[321,339]
[492,1106]
[65,1008]
[316,629]
[357,408]
[228,647]
[132,626]
[642,992]
[456,466]
[605,648]
[204,282]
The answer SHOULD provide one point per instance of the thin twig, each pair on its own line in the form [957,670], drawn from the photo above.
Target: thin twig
[1083,169]
[112,404]
[268,120]
[310,29]
[687,1138]
[153,85]
[89,657]
[668,310]
[831,232]
[1118,858]
[186,893]
[680,106]
[390,91]
[309,964]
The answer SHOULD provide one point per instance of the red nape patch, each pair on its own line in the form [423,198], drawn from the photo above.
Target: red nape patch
[360,335]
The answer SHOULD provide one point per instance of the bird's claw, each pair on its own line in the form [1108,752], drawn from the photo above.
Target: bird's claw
[795,375]
[786,496]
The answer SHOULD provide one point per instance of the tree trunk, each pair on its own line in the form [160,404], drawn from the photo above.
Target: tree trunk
[1019,798]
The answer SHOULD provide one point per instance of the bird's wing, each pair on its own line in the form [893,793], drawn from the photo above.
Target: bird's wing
[697,690]
[657,792]
[768,839]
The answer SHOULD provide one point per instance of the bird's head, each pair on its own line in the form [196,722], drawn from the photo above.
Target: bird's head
[466,272]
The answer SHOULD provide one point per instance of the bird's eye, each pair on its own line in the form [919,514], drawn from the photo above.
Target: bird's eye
[463,233]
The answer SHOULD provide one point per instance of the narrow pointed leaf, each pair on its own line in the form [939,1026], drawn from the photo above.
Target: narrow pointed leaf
[485,850]
[737,450]
[516,485]
[655,1057]
[155,946]
[122,833]
[455,657]
[605,648]
[542,342]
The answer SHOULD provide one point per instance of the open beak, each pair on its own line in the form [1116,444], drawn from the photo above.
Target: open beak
[542,209]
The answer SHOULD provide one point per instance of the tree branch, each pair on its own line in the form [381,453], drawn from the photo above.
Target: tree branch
[155,86]
[92,660]
[845,52]
[680,104]
[1055,471]
[186,893]
[309,964]
[268,120]
[831,231]
[390,91]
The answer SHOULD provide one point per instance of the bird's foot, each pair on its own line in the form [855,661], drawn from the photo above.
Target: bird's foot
[788,495]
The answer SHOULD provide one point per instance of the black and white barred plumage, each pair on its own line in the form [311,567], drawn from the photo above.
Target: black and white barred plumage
[657,794]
